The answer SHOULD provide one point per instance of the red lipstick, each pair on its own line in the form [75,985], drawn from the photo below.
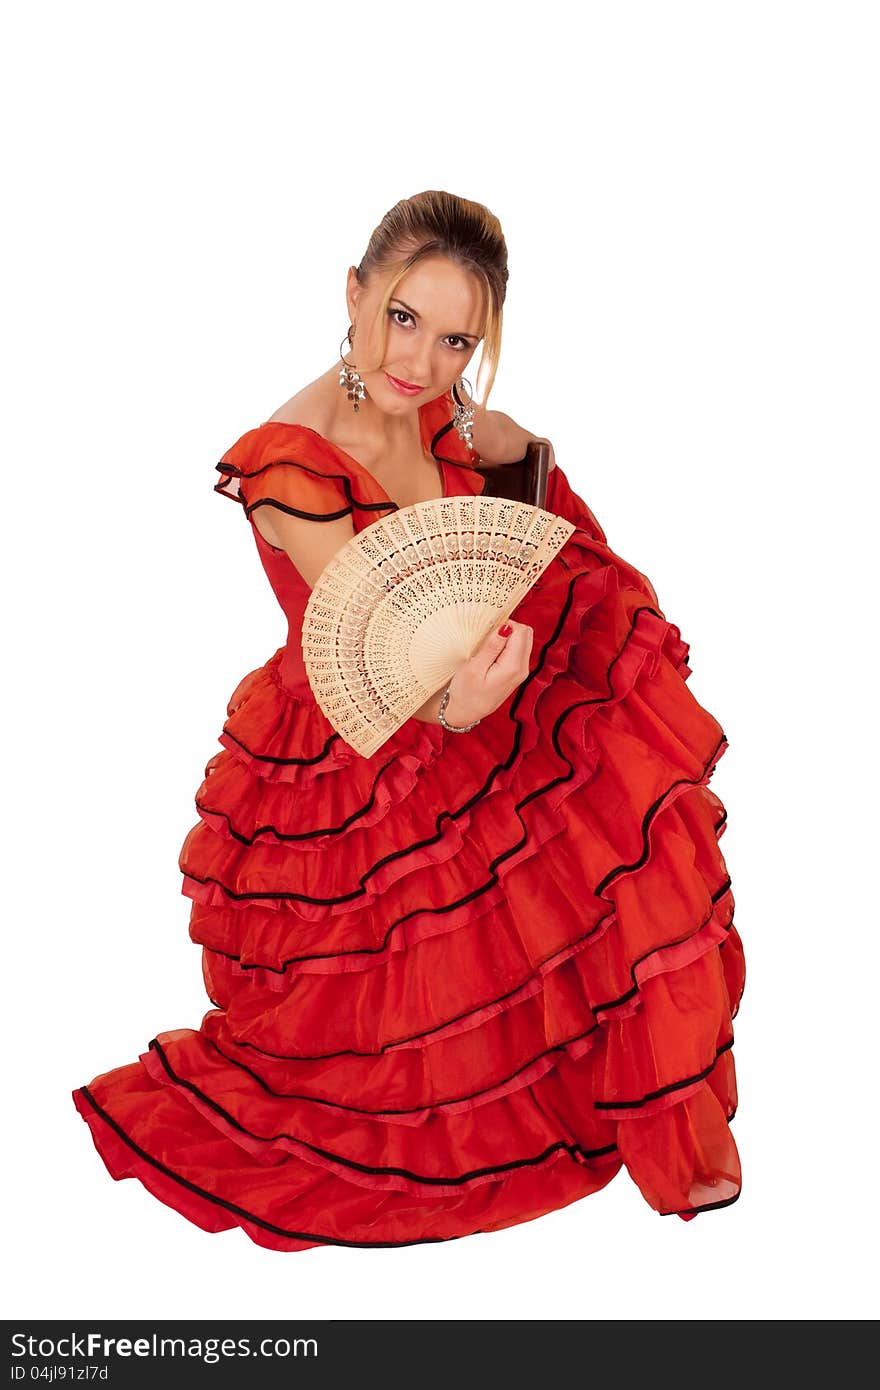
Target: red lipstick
[406,387]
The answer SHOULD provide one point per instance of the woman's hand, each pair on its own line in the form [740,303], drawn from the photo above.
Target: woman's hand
[496,668]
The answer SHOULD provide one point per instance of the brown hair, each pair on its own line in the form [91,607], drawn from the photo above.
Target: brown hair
[437,223]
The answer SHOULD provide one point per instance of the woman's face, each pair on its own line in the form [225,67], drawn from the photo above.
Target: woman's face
[435,322]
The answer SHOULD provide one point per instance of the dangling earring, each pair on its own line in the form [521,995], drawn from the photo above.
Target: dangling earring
[463,413]
[349,377]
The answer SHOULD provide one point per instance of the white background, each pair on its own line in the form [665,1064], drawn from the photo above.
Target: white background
[689,197]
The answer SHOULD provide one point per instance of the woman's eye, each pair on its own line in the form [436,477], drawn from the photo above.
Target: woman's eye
[463,344]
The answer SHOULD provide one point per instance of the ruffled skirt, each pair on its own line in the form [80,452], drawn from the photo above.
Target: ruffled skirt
[461,983]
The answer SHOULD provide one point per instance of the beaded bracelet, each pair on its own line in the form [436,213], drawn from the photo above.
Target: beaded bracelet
[453,729]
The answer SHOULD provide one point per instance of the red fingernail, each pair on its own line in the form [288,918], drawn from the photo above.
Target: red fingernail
[505,631]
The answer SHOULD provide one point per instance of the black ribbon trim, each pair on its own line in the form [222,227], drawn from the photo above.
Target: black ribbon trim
[662,1090]
[242,1211]
[270,1226]
[438,1027]
[491,882]
[679,941]
[289,762]
[392,1046]
[571,1149]
[339,479]
[251,840]
[411,1110]
[470,1096]
[709,1206]
[534,1161]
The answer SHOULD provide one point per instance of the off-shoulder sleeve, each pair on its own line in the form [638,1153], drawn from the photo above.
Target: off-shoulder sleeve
[279,469]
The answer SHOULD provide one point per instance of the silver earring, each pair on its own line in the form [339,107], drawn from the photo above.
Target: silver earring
[463,413]
[349,377]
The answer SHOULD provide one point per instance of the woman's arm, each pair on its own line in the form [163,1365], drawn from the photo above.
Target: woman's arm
[429,712]
[499,439]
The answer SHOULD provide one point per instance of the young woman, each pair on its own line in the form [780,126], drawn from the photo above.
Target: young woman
[460,983]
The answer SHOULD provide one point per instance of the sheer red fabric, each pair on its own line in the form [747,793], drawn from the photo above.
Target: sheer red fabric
[461,983]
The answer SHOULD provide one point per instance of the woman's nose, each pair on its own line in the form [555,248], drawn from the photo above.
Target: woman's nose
[418,369]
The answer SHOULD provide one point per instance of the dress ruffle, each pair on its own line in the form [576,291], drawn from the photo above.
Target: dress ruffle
[460,983]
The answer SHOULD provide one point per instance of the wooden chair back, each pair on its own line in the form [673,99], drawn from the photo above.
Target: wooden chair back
[524,480]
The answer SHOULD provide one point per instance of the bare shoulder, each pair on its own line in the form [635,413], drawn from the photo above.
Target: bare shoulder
[310,407]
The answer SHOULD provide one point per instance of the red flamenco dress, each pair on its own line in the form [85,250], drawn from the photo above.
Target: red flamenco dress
[460,983]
